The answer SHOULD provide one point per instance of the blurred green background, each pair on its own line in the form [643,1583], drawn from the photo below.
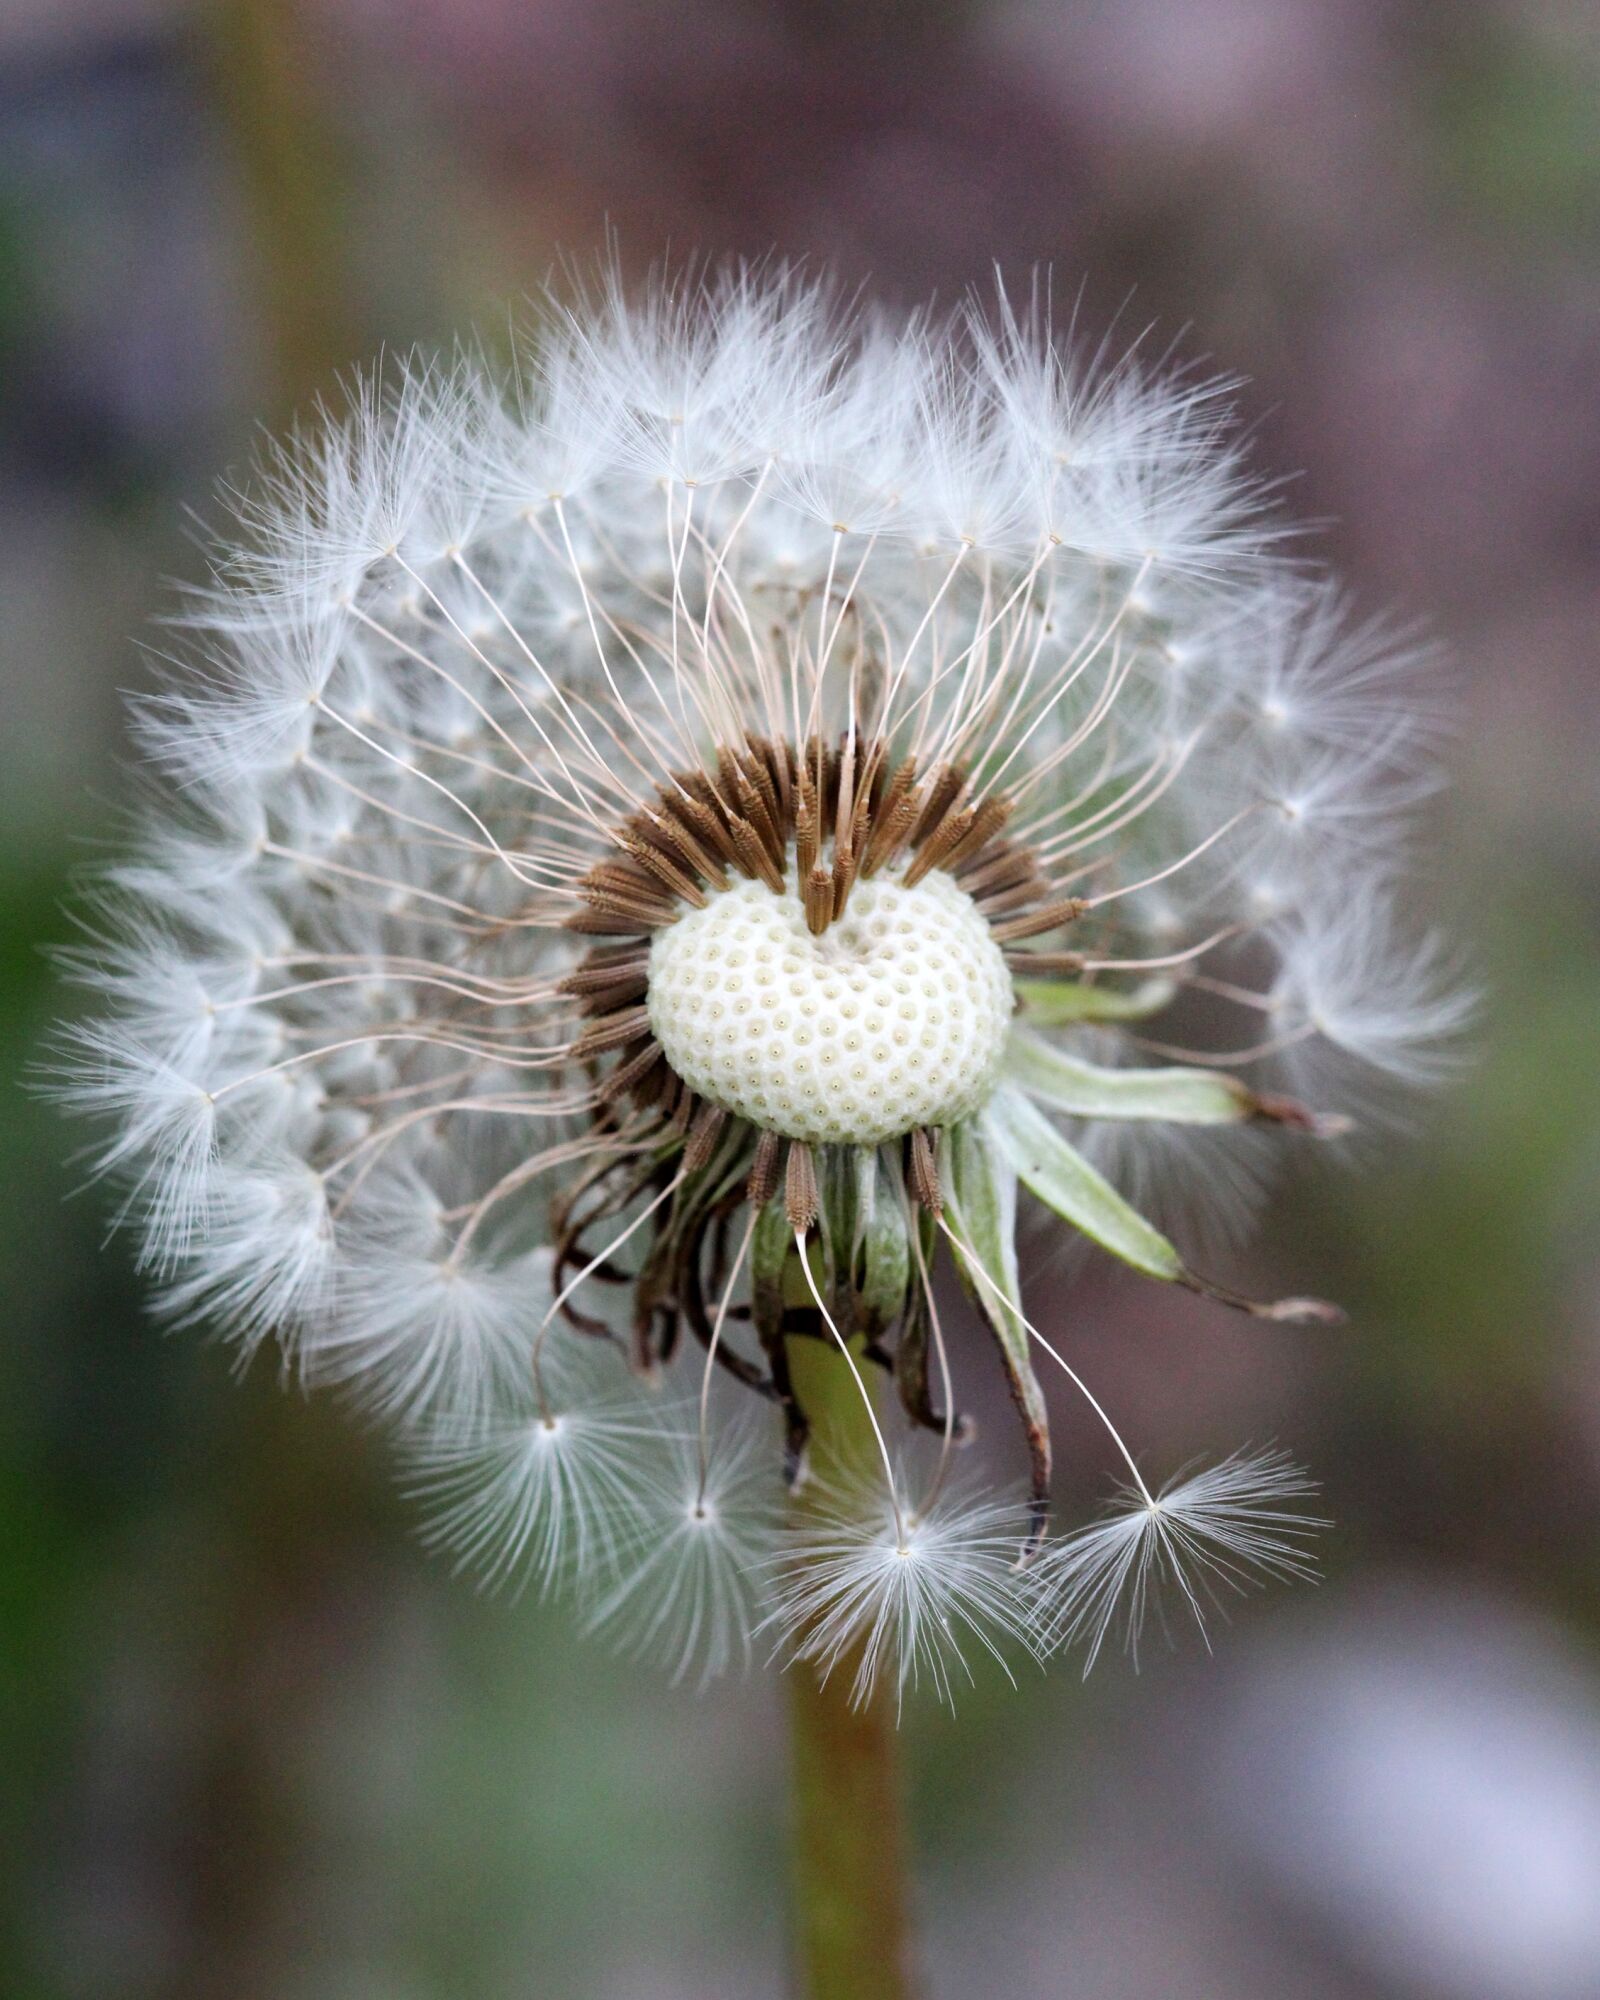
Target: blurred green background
[251,1742]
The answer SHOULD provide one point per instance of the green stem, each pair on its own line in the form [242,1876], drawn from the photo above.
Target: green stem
[852,1931]
[289,169]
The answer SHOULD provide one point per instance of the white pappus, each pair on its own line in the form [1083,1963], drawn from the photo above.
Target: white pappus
[660,844]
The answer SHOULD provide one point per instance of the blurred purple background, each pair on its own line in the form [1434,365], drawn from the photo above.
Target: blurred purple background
[255,1744]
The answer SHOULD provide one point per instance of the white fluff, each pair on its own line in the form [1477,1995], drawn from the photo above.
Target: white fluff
[457,630]
[689,1589]
[1203,1534]
[1356,985]
[905,1599]
[539,1498]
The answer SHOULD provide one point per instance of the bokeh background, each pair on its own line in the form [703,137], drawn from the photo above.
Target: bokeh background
[252,1743]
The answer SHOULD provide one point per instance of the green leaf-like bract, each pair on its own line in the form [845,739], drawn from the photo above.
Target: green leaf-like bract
[1173,1095]
[885,1252]
[1059,1003]
[1064,1181]
[980,1191]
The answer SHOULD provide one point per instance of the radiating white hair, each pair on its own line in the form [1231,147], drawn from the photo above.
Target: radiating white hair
[456,634]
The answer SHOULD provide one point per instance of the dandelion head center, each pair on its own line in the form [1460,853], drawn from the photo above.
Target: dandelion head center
[892,1018]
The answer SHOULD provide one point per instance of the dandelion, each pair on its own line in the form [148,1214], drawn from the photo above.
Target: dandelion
[666,844]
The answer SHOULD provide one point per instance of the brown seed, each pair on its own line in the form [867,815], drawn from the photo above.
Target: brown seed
[615,1031]
[1050,918]
[672,837]
[819,901]
[754,805]
[605,923]
[607,999]
[924,1168]
[891,831]
[602,970]
[844,876]
[644,913]
[626,877]
[631,1074]
[759,772]
[801,1202]
[699,786]
[987,821]
[860,828]
[753,856]
[944,788]
[665,870]
[763,1182]
[944,839]
[774,759]
[704,1133]
[806,843]
[706,825]
[888,792]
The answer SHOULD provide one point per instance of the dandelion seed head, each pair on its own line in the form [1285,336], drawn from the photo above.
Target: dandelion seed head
[608,810]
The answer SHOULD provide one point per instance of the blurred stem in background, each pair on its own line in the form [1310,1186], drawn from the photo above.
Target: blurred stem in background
[288,169]
[851,1931]
[307,1499]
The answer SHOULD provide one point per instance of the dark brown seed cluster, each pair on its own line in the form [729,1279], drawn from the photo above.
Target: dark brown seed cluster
[825,818]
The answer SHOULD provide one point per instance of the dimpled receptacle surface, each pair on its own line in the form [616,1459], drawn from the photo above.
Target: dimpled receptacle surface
[895,1017]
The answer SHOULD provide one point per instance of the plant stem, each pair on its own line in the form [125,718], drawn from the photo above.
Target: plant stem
[852,1934]
[288,166]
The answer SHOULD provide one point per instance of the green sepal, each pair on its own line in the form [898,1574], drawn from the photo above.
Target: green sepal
[773,1258]
[1064,1181]
[885,1254]
[1060,1003]
[1172,1095]
[979,1184]
[771,1247]
[912,1342]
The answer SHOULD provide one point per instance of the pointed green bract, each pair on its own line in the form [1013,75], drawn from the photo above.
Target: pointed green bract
[771,1246]
[980,1192]
[1176,1096]
[1055,1003]
[885,1253]
[1064,1181]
